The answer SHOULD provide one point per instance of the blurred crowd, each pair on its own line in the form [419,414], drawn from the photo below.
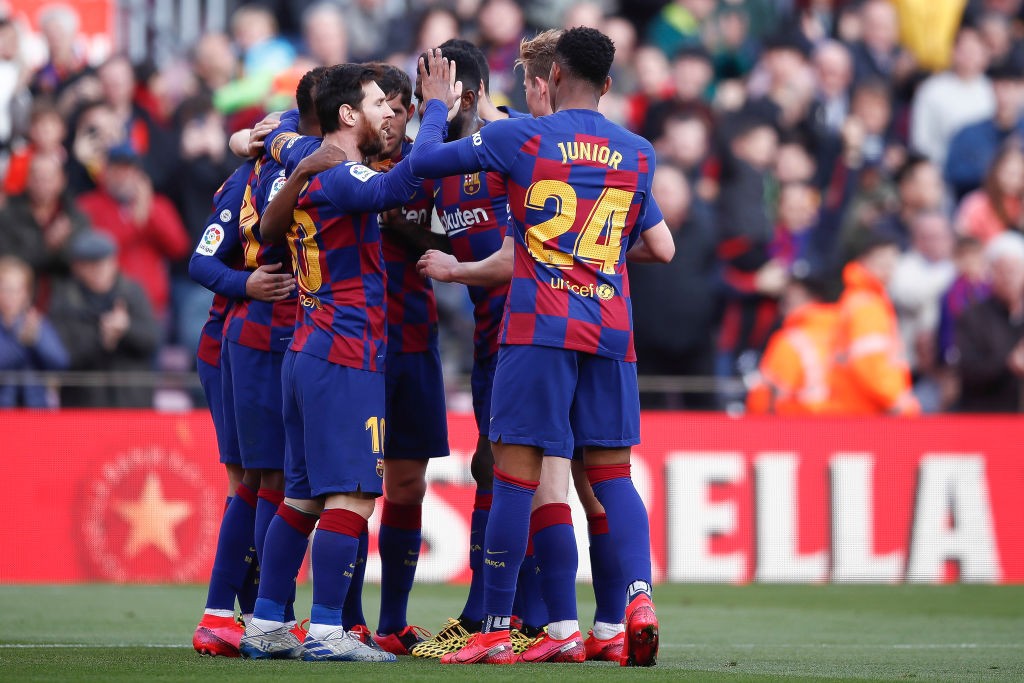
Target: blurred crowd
[845,180]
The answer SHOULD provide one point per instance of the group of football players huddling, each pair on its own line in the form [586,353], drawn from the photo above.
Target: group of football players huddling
[321,366]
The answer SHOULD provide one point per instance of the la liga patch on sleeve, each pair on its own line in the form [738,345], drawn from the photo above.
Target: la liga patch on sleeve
[211,240]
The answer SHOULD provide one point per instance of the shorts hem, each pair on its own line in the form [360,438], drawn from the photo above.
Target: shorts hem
[557,448]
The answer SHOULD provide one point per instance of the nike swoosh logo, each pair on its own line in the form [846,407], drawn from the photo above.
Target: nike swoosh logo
[496,552]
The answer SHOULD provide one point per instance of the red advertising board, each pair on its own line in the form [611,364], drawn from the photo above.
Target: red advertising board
[137,496]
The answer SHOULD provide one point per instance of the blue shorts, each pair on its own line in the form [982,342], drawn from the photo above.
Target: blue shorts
[481,383]
[334,419]
[417,422]
[256,401]
[556,399]
[227,439]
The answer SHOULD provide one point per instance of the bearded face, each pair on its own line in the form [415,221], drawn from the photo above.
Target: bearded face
[372,136]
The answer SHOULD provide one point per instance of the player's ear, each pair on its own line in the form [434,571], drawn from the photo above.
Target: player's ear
[469,98]
[347,115]
[607,85]
[412,110]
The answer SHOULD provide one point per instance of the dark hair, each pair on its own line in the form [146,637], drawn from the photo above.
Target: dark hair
[304,90]
[393,81]
[914,160]
[478,55]
[192,108]
[466,69]
[341,85]
[586,53]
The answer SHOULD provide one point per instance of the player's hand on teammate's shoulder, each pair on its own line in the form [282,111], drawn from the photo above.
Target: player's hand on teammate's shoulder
[260,131]
[266,284]
[438,81]
[326,157]
[437,265]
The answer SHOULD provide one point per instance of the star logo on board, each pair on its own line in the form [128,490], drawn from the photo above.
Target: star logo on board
[152,519]
[148,514]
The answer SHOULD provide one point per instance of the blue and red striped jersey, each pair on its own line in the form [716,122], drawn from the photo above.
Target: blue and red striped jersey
[579,192]
[473,209]
[259,324]
[216,262]
[411,306]
[335,242]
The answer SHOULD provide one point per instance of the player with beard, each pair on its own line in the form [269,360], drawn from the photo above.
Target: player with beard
[580,199]
[333,372]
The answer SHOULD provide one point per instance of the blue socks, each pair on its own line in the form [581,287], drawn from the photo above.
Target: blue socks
[529,602]
[555,546]
[352,610]
[266,507]
[399,544]
[230,569]
[627,520]
[474,609]
[285,548]
[505,547]
[604,565]
[335,548]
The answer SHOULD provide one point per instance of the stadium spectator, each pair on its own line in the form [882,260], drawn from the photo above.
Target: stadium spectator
[990,335]
[37,225]
[679,24]
[106,324]
[973,148]
[683,292]
[28,341]
[793,375]
[501,30]
[878,55]
[691,75]
[735,50]
[213,62]
[95,133]
[752,278]
[145,225]
[946,102]
[870,375]
[15,99]
[923,274]
[59,26]
[996,207]
[46,133]
[323,33]
[969,287]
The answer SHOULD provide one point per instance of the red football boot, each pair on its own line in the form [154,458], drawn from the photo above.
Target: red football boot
[609,650]
[404,641]
[548,649]
[641,637]
[217,636]
[484,648]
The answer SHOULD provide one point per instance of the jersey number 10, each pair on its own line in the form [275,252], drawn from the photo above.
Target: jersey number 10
[607,218]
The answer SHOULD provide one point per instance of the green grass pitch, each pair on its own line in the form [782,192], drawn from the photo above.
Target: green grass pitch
[758,632]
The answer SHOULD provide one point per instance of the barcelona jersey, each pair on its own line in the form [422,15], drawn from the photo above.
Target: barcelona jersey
[473,209]
[579,190]
[262,325]
[411,306]
[217,261]
[335,242]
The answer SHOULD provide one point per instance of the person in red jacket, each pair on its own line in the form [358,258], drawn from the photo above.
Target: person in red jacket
[870,375]
[793,374]
[146,226]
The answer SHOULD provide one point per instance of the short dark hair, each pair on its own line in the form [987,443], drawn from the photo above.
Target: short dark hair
[393,81]
[478,55]
[304,90]
[466,69]
[914,161]
[587,53]
[341,85]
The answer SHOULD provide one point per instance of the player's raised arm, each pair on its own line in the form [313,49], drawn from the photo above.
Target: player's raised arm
[494,270]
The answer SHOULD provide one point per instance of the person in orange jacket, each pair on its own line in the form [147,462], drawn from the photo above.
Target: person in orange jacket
[870,375]
[793,375]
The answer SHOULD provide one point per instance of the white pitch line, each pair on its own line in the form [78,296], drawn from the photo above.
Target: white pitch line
[79,646]
[849,646]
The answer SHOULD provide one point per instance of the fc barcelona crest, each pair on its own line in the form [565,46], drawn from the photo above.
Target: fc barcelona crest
[471,183]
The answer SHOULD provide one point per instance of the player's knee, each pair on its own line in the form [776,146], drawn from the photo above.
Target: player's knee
[251,478]
[482,470]
[271,479]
